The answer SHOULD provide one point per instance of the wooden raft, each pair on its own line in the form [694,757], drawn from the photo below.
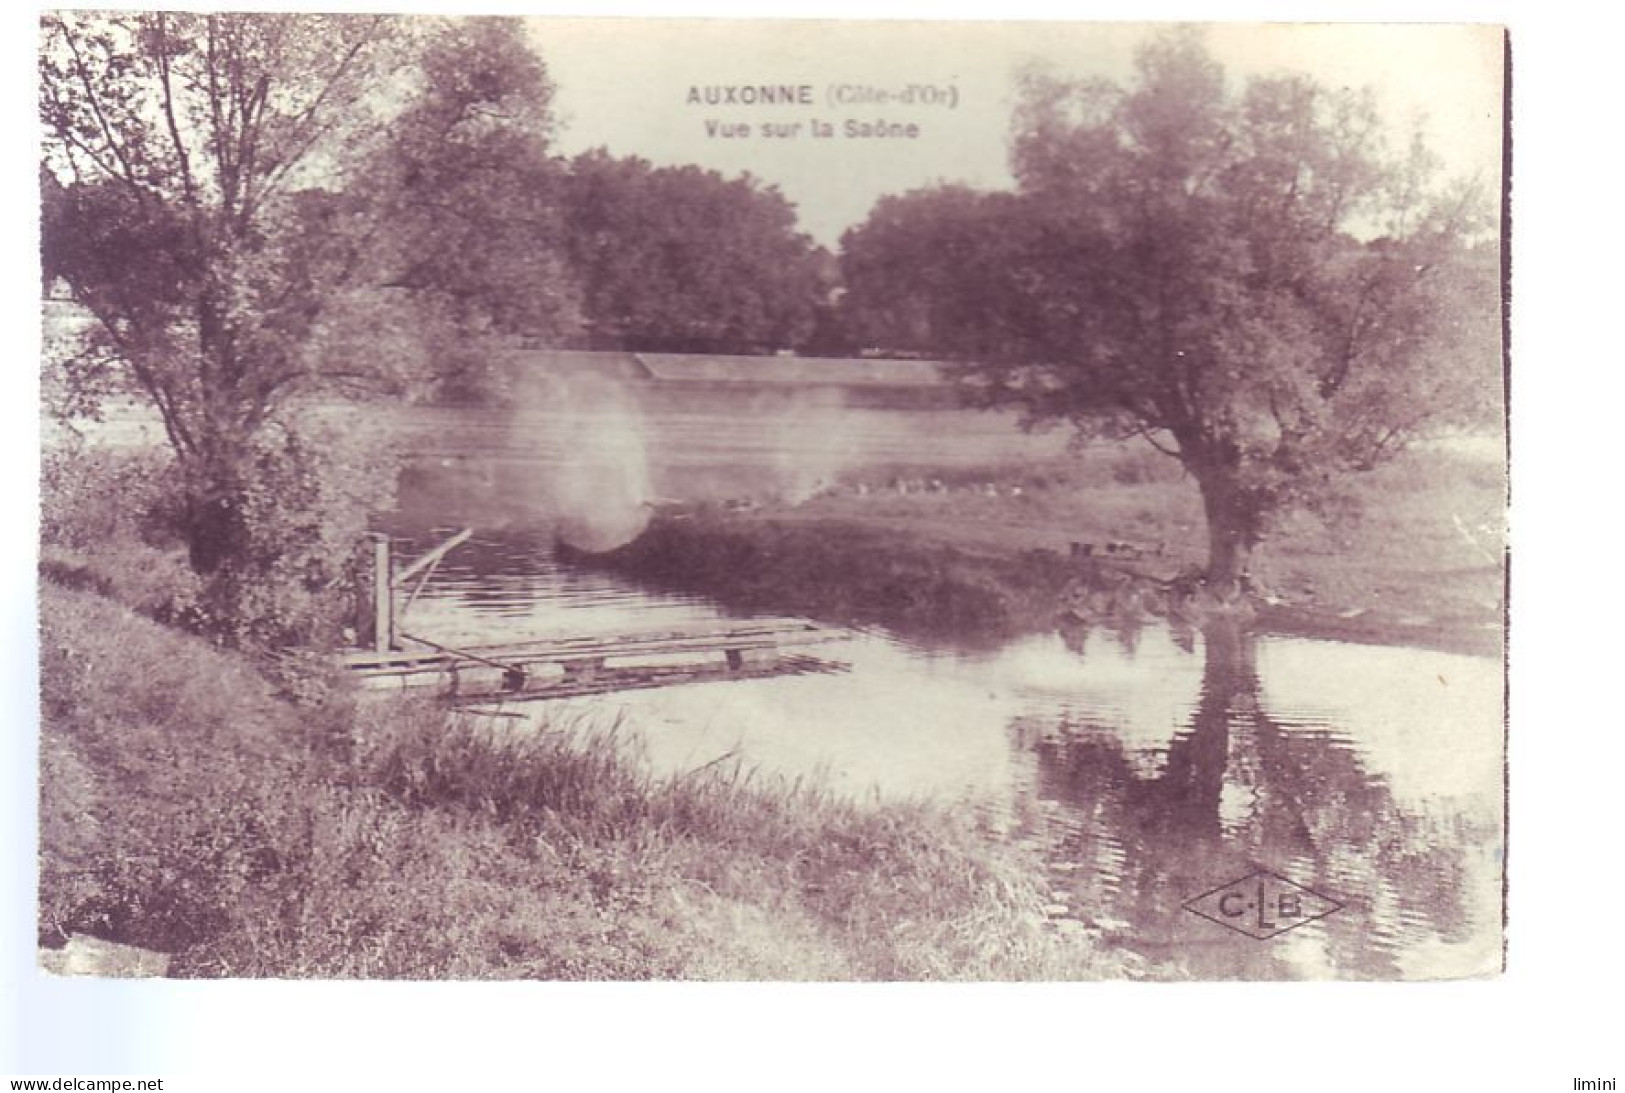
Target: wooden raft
[564,666]
[556,667]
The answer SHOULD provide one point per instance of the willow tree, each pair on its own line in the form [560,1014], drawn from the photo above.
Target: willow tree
[1251,281]
[241,201]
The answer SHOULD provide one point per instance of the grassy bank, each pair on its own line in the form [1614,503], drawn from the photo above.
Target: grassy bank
[1410,554]
[846,571]
[187,808]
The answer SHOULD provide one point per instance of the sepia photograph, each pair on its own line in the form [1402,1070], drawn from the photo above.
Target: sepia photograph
[589,499]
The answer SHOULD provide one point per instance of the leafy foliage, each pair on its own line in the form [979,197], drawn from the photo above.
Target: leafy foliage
[469,248]
[302,511]
[1251,282]
[175,145]
[680,259]
[105,523]
[255,209]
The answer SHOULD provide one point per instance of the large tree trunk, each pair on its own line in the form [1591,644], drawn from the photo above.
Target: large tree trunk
[211,534]
[1232,529]
[213,519]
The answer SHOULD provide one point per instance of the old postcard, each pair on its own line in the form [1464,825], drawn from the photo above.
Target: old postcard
[588,499]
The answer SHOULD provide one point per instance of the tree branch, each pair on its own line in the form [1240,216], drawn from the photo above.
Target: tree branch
[303,147]
[70,138]
[1145,434]
[188,186]
[180,437]
[96,110]
[219,122]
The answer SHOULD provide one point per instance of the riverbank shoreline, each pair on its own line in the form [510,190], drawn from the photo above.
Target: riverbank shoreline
[189,809]
[972,566]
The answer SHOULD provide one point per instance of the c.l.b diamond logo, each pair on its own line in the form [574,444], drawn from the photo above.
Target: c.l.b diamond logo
[1262,905]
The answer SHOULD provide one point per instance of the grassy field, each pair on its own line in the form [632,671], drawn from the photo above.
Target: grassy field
[187,807]
[1411,554]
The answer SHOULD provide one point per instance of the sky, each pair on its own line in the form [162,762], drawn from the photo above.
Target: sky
[624,84]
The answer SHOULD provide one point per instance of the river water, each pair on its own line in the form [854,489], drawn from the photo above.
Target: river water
[1146,766]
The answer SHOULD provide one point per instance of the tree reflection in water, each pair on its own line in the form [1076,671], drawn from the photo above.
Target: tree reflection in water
[1237,790]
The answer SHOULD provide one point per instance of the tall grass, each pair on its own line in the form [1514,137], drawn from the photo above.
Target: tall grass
[187,809]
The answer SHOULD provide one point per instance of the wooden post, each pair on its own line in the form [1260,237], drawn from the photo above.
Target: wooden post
[383,596]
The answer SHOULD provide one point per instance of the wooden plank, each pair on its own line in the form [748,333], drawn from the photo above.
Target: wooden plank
[565,665]
[453,672]
[459,654]
[610,682]
[796,633]
[507,656]
[776,630]
[627,644]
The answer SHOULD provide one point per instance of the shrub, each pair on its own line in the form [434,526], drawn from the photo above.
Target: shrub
[106,524]
[90,496]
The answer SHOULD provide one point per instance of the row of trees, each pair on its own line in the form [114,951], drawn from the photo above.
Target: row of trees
[256,207]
